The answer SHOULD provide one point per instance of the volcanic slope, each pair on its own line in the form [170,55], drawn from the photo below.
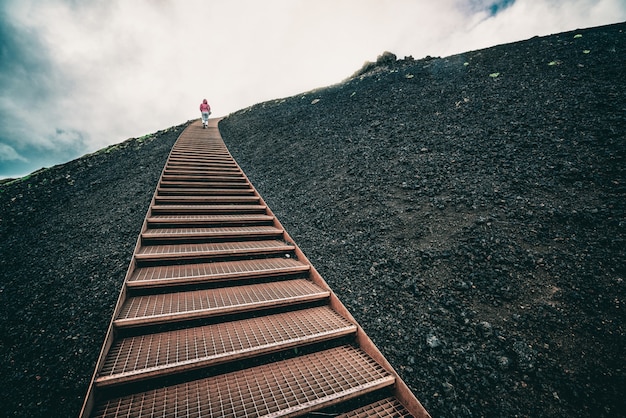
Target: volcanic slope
[468,210]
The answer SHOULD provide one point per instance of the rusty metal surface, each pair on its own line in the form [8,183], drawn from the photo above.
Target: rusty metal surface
[208,209]
[286,388]
[211,250]
[208,250]
[137,357]
[154,309]
[388,407]
[209,233]
[240,219]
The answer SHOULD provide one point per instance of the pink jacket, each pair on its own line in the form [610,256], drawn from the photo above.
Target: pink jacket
[204,107]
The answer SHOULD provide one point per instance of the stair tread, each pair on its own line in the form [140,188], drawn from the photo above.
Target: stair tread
[204,178]
[159,308]
[177,159]
[182,207]
[388,407]
[206,209]
[208,219]
[143,356]
[173,191]
[182,162]
[207,199]
[220,164]
[203,184]
[215,249]
[223,270]
[208,232]
[291,386]
[204,169]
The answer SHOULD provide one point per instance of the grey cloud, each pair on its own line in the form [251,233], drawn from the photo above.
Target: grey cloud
[25,68]
[497,6]
[491,7]
[7,153]
[29,85]
[19,160]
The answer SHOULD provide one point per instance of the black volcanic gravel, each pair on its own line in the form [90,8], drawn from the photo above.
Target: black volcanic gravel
[68,234]
[469,211]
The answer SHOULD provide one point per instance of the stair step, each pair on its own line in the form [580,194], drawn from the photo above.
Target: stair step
[285,388]
[206,209]
[201,157]
[204,233]
[180,177]
[388,407]
[146,356]
[209,170]
[181,161]
[170,307]
[171,191]
[184,157]
[156,276]
[205,184]
[223,166]
[173,220]
[203,165]
[199,200]
[194,153]
[202,173]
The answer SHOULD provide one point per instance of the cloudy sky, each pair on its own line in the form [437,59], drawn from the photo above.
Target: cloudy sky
[76,76]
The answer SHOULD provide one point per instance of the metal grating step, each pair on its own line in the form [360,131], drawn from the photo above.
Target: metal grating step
[242,232]
[286,388]
[191,251]
[203,165]
[207,209]
[225,174]
[204,184]
[146,356]
[162,308]
[205,157]
[197,152]
[202,158]
[211,272]
[171,191]
[231,179]
[209,165]
[222,165]
[165,220]
[198,200]
[385,408]
[226,170]
[208,169]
